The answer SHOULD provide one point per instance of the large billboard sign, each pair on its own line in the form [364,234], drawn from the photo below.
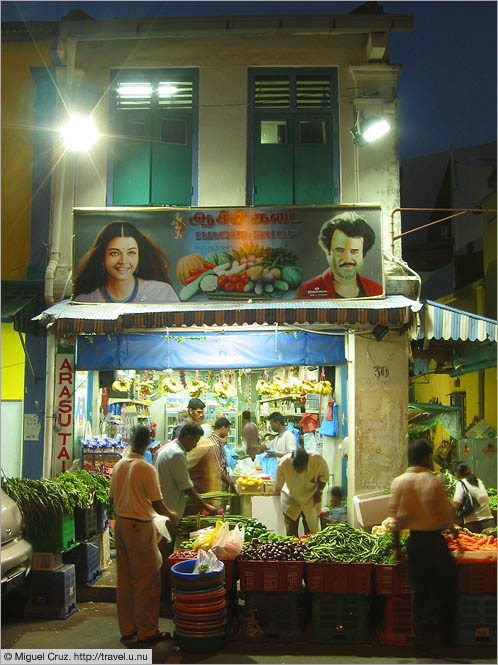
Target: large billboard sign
[161,255]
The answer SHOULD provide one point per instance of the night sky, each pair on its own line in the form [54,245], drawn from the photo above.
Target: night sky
[448,85]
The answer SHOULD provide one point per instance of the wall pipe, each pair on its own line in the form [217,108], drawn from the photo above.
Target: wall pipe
[56,217]
[459,211]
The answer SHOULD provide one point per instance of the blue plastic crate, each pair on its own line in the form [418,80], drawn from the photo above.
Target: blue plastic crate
[86,559]
[476,619]
[85,523]
[52,593]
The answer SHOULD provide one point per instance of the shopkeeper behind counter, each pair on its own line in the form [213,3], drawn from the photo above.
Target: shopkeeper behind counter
[285,441]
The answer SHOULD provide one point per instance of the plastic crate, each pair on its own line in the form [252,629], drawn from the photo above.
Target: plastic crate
[476,619]
[47,560]
[101,510]
[476,577]
[105,549]
[52,593]
[396,627]
[271,575]
[85,523]
[331,577]
[339,619]
[392,579]
[86,558]
[58,536]
[275,620]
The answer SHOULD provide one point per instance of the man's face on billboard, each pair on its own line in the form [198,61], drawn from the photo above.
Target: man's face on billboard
[346,255]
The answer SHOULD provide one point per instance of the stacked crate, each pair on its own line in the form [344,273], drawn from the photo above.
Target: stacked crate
[340,602]
[392,585]
[476,605]
[52,593]
[86,559]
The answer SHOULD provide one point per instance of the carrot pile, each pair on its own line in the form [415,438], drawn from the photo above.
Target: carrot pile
[471,542]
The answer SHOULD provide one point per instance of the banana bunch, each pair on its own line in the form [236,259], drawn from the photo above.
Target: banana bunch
[248,249]
[169,385]
[196,388]
[122,385]
[307,387]
[323,388]
[222,388]
[146,387]
[264,388]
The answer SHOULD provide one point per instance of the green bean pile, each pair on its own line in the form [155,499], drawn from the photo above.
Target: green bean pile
[344,544]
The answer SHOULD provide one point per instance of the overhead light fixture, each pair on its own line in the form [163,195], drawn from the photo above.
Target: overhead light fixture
[380,331]
[80,134]
[368,130]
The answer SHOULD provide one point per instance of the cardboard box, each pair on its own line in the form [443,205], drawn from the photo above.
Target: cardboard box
[372,508]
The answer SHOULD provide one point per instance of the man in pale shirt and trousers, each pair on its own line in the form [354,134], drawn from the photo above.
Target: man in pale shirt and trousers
[137,498]
[419,503]
[300,479]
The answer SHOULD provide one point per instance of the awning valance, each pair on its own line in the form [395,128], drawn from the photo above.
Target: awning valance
[67,318]
[423,417]
[442,322]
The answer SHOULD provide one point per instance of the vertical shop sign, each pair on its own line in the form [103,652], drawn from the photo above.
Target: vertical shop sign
[64,413]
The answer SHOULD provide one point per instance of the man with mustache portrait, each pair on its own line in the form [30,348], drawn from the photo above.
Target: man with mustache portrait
[345,239]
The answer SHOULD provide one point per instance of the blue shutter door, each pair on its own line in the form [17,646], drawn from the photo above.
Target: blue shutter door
[131,158]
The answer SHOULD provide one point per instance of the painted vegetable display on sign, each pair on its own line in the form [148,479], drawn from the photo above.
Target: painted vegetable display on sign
[252,271]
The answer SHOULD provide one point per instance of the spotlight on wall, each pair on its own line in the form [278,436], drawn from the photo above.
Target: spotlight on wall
[380,331]
[368,130]
[80,134]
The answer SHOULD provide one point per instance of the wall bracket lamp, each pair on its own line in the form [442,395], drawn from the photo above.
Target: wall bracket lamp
[367,130]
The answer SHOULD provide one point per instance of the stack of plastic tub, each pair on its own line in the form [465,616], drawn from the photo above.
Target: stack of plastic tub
[200,607]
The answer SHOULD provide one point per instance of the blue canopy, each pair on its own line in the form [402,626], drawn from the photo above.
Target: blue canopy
[210,350]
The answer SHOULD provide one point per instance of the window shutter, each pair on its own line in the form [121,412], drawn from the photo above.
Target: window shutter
[134,95]
[175,94]
[272,92]
[313,92]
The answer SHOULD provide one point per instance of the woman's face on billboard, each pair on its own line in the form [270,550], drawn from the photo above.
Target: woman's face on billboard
[121,258]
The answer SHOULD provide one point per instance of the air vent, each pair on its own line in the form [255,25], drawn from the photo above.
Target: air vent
[313,92]
[272,92]
[175,94]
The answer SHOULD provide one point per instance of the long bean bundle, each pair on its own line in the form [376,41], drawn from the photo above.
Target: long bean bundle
[345,544]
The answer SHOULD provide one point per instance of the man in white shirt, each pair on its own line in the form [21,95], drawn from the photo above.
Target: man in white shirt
[419,503]
[300,479]
[137,498]
[285,441]
[176,484]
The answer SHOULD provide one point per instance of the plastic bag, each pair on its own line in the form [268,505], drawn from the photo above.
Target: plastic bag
[245,467]
[160,524]
[232,546]
[221,536]
[268,464]
[206,562]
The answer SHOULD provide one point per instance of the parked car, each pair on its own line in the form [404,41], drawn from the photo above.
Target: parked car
[17,553]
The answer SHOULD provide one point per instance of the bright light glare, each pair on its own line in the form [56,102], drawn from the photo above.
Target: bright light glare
[167,89]
[80,134]
[376,129]
[137,90]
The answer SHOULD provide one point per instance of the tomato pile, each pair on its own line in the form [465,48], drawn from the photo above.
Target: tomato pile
[234,282]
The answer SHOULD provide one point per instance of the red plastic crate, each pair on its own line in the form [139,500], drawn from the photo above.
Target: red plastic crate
[230,566]
[396,627]
[476,577]
[271,575]
[331,577]
[392,579]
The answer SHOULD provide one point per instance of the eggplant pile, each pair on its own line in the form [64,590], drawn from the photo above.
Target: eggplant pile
[290,549]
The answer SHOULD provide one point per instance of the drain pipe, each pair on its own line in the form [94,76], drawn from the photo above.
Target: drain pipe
[57,208]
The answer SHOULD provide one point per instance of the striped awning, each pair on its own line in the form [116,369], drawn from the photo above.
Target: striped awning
[443,322]
[67,318]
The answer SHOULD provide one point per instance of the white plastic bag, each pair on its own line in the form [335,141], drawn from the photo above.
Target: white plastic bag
[160,523]
[206,562]
[235,542]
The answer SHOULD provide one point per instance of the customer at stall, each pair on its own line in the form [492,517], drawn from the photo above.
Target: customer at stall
[250,435]
[137,497]
[481,518]
[207,462]
[195,415]
[300,479]
[337,511]
[419,503]
[285,441]
[176,485]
